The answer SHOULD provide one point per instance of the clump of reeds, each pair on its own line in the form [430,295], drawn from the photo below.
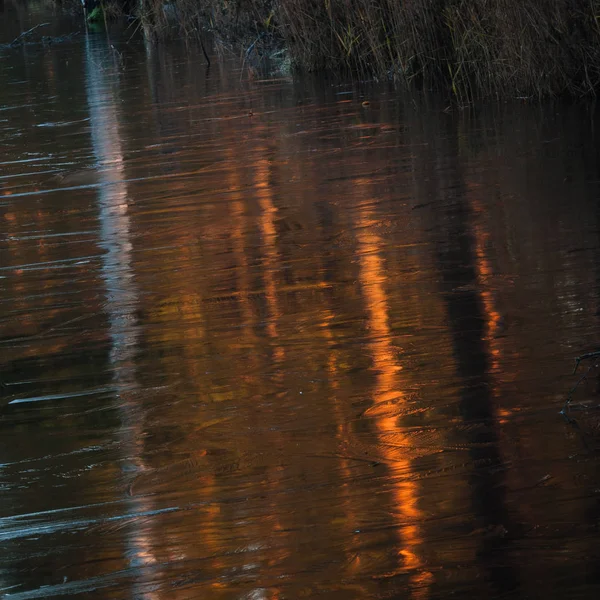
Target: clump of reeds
[524,47]
[476,47]
[239,20]
[473,47]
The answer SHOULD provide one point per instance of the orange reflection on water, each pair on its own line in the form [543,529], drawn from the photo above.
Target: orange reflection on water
[485,272]
[485,276]
[239,250]
[271,258]
[388,390]
[345,493]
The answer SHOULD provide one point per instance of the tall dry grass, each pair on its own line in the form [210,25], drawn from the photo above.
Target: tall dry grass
[473,47]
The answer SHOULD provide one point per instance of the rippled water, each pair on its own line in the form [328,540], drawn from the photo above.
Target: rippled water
[272,339]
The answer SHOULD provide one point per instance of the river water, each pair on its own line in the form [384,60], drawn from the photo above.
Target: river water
[270,338]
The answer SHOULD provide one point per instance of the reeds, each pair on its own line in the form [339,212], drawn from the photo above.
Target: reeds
[475,48]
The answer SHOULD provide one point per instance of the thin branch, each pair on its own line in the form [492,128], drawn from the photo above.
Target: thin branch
[569,399]
[25,33]
[587,356]
[205,53]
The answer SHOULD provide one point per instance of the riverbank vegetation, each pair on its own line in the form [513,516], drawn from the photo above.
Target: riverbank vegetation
[475,48]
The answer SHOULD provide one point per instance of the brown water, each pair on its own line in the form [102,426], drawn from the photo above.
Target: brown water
[259,340]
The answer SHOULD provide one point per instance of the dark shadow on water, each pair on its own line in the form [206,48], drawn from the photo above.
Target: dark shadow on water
[460,287]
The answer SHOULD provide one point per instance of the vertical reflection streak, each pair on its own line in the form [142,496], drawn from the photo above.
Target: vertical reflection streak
[470,317]
[484,273]
[239,222]
[345,494]
[117,271]
[271,260]
[387,389]
[271,255]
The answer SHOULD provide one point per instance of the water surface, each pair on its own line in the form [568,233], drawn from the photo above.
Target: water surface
[264,338]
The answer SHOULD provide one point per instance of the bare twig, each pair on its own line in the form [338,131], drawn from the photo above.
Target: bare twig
[569,399]
[26,33]
[586,356]
[44,332]
[205,53]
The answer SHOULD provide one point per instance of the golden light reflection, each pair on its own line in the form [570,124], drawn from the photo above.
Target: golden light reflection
[239,222]
[485,277]
[271,260]
[345,493]
[388,387]
[271,255]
